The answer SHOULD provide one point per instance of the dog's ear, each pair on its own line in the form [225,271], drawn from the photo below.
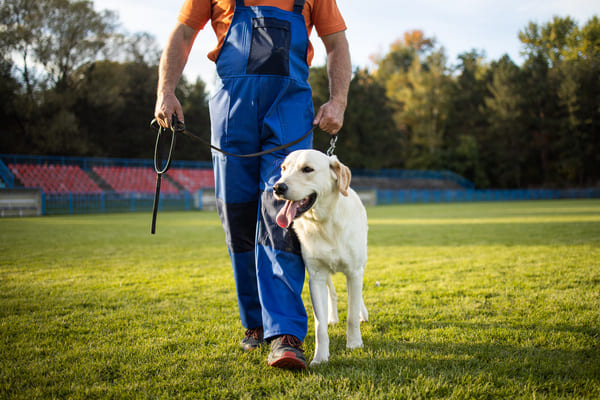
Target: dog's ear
[342,174]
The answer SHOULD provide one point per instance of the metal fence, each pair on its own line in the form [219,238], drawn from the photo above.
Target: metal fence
[56,204]
[73,203]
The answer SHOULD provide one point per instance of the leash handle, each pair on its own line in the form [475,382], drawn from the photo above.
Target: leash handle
[158,165]
[163,131]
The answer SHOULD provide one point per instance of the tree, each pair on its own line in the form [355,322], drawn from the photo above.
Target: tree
[550,41]
[506,143]
[197,119]
[114,105]
[578,98]
[562,72]
[10,140]
[59,35]
[467,125]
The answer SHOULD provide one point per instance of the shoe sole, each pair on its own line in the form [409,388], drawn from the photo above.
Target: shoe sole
[288,361]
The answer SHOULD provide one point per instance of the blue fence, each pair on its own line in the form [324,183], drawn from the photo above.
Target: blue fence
[56,204]
[471,195]
[414,174]
[72,203]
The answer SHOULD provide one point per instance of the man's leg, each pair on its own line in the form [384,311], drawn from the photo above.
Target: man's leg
[238,216]
[281,278]
[237,193]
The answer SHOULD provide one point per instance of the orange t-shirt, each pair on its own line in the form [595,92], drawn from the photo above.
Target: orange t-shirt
[324,15]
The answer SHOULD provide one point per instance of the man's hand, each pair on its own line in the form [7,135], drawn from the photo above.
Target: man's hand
[166,106]
[330,117]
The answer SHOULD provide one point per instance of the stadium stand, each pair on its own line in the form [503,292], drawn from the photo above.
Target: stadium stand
[55,178]
[133,179]
[193,179]
[71,185]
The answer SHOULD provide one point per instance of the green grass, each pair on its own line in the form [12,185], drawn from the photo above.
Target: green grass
[475,301]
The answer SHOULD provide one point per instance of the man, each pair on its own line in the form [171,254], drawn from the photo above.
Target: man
[261,100]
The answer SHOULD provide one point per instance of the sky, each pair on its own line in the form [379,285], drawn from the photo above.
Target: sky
[489,26]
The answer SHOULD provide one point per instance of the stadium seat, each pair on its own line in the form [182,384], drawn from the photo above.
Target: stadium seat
[133,179]
[55,178]
[193,179]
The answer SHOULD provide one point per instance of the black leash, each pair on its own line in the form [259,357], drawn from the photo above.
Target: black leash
[179,127]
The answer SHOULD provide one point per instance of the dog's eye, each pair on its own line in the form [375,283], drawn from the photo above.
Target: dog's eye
[283,167]
[307,170]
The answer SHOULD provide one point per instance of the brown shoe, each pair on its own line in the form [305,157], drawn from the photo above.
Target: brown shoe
[286,352]
[253,339]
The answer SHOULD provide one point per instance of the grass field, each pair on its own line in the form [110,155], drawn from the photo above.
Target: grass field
[475,301]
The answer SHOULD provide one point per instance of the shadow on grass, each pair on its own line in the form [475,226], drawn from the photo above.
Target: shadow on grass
[504,360]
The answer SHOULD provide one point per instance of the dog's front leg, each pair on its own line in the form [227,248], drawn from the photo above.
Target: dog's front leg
[333,312]
[318,294]
[355,303]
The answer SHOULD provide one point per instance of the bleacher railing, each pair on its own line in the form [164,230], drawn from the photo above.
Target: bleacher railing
[86,163]
[6,176]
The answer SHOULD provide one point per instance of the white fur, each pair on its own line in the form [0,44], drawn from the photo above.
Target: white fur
[333,238]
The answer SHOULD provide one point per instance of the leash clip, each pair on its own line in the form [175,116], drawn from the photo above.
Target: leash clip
[332,143]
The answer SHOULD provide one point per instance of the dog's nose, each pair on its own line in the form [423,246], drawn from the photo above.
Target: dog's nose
[280,188]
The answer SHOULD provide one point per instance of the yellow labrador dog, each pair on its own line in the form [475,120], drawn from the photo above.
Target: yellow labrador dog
[331,224]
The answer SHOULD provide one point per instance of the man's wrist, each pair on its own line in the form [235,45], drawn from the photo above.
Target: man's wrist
[340,101]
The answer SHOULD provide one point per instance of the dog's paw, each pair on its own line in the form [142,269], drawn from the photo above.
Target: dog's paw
[316,362]
[355,344]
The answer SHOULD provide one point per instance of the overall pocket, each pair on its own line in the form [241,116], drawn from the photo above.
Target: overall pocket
[270,47]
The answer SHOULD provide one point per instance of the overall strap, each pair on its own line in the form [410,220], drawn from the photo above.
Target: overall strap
[298,6]
[239,3]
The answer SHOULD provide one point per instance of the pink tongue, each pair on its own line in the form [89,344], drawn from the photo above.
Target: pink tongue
[287,214]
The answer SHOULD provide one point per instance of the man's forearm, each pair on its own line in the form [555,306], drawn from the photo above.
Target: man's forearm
[330,116]
[172,63]
[174,58]
[339,68]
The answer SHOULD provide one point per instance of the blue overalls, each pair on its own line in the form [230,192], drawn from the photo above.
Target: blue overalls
[262,100]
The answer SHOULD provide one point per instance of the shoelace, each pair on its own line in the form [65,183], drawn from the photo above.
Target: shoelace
[255,333]
[292,341]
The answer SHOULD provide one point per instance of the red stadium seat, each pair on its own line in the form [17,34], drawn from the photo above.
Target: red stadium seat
[133,179]
[55,178]
[193,179]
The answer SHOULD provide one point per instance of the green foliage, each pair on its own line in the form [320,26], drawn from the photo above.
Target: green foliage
[369,139]
[479,300]
[499,124]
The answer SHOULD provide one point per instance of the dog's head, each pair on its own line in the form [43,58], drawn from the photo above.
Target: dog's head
[307,178]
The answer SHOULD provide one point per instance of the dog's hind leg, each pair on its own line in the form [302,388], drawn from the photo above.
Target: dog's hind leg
[355,305]
[318,295]
[333,312]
